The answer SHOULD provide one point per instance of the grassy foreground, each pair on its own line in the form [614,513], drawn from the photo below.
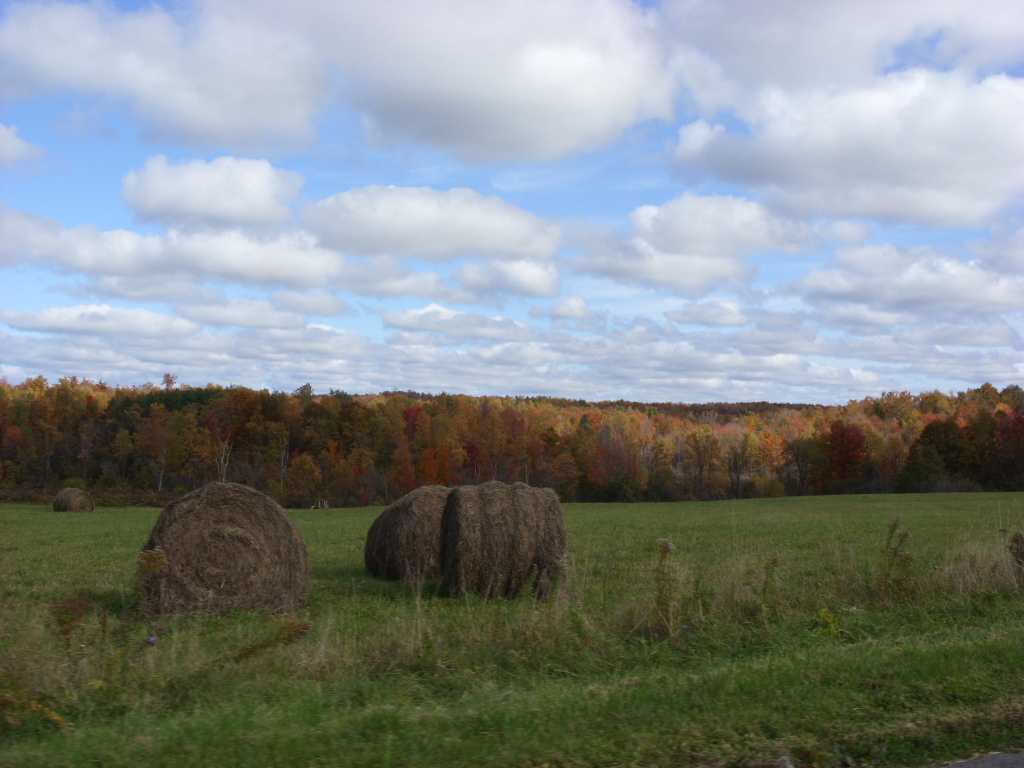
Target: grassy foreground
[858,630]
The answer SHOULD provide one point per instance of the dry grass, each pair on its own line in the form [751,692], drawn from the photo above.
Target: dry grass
[226,546]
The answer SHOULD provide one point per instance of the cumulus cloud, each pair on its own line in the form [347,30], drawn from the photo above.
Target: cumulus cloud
[318,303]
[534,80]
[977,334]
[435,318]
[243,313]
[896,111]
[716,225]
[571,308]
[14,149]
[727,314]
[891,278]
[923,146]
[692,244]
[143,288]
[291,258]
[386,277]
[430,224]
[572,312]
[99,320]
[522,277]
[227,191]
[860,319]
[800,44]
[210,75]
[1004,252]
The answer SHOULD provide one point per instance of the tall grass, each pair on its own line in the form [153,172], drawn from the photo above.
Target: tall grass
[837,630]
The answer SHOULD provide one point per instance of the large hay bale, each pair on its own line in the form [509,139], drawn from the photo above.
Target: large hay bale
[404,541]
[221,547]
[494,536]
[72,500]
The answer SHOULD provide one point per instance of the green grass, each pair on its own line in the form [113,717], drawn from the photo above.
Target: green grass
[809,628]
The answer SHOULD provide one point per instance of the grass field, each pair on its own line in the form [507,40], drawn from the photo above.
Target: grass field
[856,630]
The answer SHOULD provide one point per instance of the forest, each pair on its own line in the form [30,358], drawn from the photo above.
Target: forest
[146,444]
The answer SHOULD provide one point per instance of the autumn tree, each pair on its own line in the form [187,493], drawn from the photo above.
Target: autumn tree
[702,451]
[845,449]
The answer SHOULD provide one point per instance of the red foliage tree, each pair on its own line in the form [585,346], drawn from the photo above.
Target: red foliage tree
[846,450]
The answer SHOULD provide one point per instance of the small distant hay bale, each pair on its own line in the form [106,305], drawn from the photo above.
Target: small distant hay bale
[495,536]
[73,500]
[404,541]
[222,547]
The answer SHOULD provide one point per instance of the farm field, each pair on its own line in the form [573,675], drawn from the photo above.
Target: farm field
[837,630]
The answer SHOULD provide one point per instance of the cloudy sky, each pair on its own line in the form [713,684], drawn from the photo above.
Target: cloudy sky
[685,200]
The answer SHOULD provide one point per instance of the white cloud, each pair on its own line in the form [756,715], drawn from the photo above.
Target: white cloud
[532,80]
[930,147]
[895,279]
[451,323]
[226,191]
[1004,252]
[82,248]
[571,308]
[99,320]
[802,44]
[847,232]
[14,149]
[243,313]
[979,334]
[525,278]
[529,80]
[143,288]
[386,277]
[692,244]
[571,313]
[207,75]
[725,314]
[861,319]
[429,224]
[715,225]
[318,303]
[291,259]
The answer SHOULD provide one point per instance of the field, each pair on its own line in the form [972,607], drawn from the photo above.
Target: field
[855,630]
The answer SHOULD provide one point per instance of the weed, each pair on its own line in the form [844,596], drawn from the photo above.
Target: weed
[770,592]
[828,626]
[67,615]
[1016,549]
[17,706]
[895,577]
[286,630]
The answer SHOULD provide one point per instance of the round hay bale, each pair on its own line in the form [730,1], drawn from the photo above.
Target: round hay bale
[73,500]
[404,541]
[222,547]
[495,536]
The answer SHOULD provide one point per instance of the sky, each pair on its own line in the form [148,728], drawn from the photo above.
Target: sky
[680,201]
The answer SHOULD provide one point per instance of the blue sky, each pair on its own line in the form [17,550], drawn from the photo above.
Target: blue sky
[684,200]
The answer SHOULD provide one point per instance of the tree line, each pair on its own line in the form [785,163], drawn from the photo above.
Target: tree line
[151,442]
